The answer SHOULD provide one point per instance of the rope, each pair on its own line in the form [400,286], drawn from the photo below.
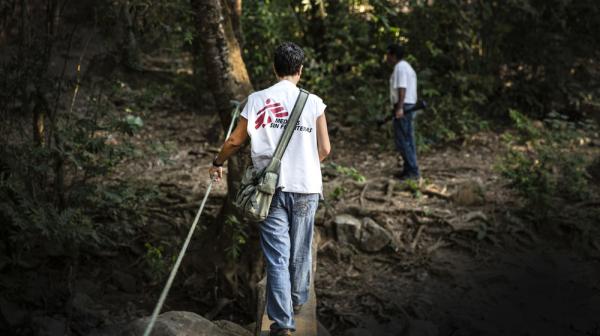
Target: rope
[167,288]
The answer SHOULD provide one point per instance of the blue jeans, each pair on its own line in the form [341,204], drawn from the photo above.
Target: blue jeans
[286,239]
[404,138]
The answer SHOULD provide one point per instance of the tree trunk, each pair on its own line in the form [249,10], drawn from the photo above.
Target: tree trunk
[235,8]
[225,68]
[222,55]
[131,52]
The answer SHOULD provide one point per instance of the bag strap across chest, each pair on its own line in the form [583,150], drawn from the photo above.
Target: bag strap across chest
[287,133]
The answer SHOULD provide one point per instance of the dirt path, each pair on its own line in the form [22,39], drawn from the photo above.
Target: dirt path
[465,264]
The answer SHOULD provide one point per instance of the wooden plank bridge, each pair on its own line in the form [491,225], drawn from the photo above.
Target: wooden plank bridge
[306,319]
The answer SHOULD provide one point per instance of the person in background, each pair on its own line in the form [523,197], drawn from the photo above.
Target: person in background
[403,95]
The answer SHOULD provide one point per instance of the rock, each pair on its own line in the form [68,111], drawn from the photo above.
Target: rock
[469,193]
[357,332]
[232,327]
[396,243]
[179,323]
[373,237]
[46,326]
[367,235]
[347,228]
[250,327]
[471,221]
[125,281]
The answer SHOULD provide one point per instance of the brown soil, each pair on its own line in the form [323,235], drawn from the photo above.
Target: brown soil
[462,265]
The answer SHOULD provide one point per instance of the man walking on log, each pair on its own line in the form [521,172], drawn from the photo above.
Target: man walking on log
[403,95]
[286,234]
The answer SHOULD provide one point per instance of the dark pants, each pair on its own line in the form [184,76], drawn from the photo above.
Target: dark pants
[404,137]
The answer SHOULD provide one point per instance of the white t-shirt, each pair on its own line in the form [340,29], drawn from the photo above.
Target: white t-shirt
[267,112]
[403,77]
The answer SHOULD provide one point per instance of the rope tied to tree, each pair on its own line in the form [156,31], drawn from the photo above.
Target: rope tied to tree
[167,288]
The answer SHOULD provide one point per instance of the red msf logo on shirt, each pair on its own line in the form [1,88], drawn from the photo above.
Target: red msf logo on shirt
[268,113]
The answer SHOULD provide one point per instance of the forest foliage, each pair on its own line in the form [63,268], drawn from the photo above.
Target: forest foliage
[475,60]
[478,63]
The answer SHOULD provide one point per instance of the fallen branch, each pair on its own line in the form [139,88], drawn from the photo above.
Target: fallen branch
[356,184]
[452,169]
[432,192]
[390,191]
[325,245]
[439,214]
[168,185]
[413,245]
[381,199]
[361,199]
[185,206]
[438,244]
[590,203]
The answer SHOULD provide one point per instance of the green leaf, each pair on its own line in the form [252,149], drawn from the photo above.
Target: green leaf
[134,121]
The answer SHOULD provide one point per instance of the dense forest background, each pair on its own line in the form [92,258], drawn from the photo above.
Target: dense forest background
[111,113]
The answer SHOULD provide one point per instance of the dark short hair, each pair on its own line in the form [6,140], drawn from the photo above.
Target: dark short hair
[287,59]
[397,50]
